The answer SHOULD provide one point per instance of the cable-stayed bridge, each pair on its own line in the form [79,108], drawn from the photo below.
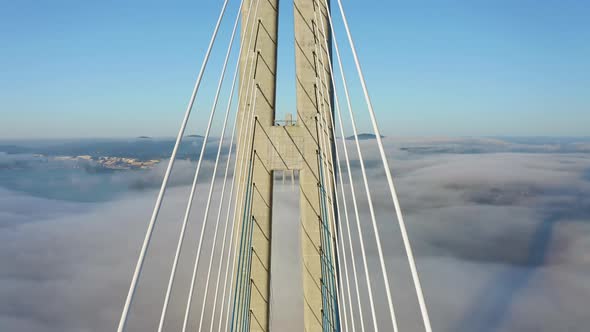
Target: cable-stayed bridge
[237,293]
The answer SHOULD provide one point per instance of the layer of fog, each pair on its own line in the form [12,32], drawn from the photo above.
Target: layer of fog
[502,242]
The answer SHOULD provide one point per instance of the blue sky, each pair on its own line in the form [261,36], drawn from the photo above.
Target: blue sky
[453,68]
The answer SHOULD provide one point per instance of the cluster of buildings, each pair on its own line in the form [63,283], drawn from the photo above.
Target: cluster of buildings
[116,163]
[125,163]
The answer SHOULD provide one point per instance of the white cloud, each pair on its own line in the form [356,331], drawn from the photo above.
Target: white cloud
[502,241]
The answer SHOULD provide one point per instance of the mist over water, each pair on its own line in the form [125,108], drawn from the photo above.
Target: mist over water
[500,229]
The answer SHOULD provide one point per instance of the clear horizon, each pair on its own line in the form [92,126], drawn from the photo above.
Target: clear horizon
[71,138]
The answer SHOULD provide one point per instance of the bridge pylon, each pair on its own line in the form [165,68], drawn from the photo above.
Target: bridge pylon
[304,146]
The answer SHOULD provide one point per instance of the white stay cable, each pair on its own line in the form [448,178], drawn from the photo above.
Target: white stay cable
[249,124]
[356,211]
[347,219]
[156,211]
[248,114]
[208,204]
[321,162]
[226,228]
[400,218]
[235,77]
[325,163]
[227,222]
[328,247]
[231,239]
[342,258]
[367,189]
[332,226]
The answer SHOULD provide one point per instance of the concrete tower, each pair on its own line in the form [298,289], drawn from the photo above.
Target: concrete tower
[302,145]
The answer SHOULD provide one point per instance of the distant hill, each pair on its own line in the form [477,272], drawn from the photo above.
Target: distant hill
[195,136]
[141,149]
[144,137]
[364,137]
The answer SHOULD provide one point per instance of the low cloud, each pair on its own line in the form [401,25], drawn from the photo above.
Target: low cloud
[501,239]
